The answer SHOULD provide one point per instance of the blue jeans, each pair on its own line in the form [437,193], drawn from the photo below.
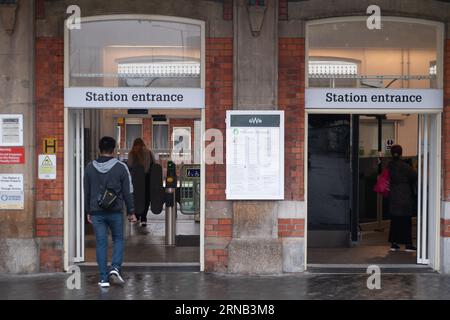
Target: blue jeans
[102,221]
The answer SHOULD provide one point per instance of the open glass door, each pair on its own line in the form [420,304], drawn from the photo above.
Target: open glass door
[428,189]
[75,162]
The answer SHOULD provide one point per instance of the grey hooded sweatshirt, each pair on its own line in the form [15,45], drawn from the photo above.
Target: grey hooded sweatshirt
[113,174]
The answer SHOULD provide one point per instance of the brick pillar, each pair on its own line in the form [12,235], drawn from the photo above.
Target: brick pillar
[219,98]
[291,99]
[445,212]
[50,124]
[147,132]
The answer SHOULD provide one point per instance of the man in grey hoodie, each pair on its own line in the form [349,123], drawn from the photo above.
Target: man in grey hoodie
[107,172]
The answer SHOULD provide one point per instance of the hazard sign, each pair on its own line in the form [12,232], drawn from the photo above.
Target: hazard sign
[47,166]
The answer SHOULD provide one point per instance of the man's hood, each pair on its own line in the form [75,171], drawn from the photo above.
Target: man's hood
[104,167]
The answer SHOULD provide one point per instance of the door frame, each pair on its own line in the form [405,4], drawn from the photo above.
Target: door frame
[67,157]
[434,261]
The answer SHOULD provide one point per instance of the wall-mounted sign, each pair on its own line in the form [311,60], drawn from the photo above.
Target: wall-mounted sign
[47,166]
[255,155]
[321,98]
[49,145]
[11,192]
[134,98]
[389,143]
[12,155]
[11,130]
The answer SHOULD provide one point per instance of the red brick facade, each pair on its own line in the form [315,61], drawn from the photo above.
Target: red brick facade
[218,230]
[291,99]
[282,9]
[291,228]
[50,110]
[446,124]
[445,228]
[227,9]
[147,132]
[219,98]
[50,124]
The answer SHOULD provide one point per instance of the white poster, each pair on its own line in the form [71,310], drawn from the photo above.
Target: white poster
[255,155]
[47,166]
[11,130]
[324,98]
[134,98]
[11,192]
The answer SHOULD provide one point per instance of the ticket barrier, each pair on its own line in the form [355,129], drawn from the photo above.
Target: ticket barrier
[186,192]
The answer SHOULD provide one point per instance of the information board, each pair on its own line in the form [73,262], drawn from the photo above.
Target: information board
[255,155]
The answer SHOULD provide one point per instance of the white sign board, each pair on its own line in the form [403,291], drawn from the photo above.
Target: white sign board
[11,192]
[320,98]
[255,155]
[47,166]
[11,130]
[134,98]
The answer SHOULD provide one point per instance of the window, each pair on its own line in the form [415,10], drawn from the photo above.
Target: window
[135,52]
[160,139]
[132,131]
[345,53]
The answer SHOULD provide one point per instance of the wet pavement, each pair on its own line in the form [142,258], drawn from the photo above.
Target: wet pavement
[207,286]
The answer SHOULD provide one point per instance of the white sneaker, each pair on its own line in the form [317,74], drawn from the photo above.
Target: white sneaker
[103,284]
[116,277]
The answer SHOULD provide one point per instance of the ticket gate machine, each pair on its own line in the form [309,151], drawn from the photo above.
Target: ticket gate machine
[171,203]
[189,190]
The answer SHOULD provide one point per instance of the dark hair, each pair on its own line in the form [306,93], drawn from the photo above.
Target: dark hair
[137,151]
[396,151]
[107,145]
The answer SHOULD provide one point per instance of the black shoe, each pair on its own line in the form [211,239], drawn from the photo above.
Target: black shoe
[143,223]
[410,248]
[103,283]
[394,247]
[115,276]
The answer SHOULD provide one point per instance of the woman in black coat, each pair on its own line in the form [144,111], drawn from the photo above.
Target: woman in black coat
[401,200]
[139,161]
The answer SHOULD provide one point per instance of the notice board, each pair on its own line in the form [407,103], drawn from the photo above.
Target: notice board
[255,155]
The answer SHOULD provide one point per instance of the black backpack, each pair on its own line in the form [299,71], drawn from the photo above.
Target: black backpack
[106,199]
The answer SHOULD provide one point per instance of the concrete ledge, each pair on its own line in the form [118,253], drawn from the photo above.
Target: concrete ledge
[219,209]
[445,210]
[19,256]
[293,254]
[49,209]
[445,255]
[291,210]
[255,256]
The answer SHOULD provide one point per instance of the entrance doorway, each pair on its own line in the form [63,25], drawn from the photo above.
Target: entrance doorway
[348,223]
[161,129]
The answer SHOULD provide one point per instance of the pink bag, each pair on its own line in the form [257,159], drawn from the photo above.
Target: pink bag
[383,183]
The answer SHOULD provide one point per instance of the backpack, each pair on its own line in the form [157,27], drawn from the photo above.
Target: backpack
[106,199]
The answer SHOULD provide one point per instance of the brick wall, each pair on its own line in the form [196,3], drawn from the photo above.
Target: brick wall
[446,124]
[219,98]
[227,9]
[147,132]
[445,223]
[291,228]
[50,124]
[283,9]
[291,99]
[216,259]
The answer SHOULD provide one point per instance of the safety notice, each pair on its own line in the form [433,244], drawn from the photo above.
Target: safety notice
[12,155]
[11,192]
[47,166]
